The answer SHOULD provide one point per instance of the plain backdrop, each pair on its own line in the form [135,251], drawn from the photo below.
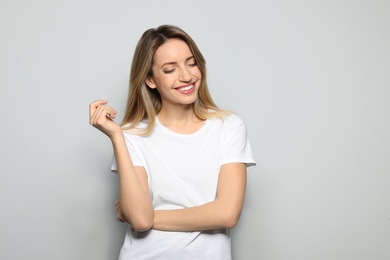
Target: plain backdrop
[311,79]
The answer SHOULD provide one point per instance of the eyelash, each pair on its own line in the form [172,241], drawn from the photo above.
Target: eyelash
[172,70]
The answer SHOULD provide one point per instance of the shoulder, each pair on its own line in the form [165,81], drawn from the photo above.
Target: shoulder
[137,130]
[228,123]
[232,121]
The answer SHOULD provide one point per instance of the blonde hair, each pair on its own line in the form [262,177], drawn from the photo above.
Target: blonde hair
[144,102]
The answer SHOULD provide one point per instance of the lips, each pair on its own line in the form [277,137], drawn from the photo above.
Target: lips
[186,89]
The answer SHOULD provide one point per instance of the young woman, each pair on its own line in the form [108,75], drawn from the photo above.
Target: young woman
[181,160]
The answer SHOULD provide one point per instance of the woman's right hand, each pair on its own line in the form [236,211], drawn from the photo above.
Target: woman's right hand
[101,117]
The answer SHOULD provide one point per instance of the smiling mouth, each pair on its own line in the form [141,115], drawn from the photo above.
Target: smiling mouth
[186,89]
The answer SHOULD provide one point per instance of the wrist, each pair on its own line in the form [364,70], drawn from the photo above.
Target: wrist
[116,137]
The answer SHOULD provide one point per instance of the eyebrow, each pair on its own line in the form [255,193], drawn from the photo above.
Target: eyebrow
[174,62]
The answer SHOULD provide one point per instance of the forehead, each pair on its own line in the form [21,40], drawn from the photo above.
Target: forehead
[173,50]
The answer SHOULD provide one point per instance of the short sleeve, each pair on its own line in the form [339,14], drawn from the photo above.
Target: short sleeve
[131,147]
[236,146]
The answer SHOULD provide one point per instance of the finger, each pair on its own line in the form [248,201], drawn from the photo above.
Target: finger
[94,111]
[100,115]
[117,205]
[95,104]
[105,111]
[111,114]
[118,217]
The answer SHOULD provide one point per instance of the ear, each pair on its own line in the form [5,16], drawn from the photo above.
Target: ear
[149,82]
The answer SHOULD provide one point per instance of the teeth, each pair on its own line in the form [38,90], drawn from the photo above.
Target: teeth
[186,88]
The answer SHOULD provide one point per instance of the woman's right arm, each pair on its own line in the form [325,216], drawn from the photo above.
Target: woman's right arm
[135,201]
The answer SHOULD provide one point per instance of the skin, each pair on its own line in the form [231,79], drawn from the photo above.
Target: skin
[136,204]
[173,68]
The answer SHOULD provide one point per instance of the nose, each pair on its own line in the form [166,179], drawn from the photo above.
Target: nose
[185,75]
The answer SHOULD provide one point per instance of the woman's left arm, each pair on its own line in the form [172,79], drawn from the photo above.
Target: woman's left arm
[224,212]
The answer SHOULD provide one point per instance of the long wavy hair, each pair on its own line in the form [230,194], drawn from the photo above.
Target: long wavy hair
[144,102]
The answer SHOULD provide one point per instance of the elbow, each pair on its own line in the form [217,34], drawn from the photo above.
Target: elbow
[141,226]
[141,223]
[231,219]
[231,223]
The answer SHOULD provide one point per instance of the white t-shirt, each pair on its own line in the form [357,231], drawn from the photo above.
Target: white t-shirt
[183,172]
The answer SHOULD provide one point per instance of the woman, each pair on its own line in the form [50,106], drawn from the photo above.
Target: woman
[181,160]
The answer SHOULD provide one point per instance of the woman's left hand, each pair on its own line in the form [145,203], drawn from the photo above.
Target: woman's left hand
[119,215]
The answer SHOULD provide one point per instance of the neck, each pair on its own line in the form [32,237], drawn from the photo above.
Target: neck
[176,114]
[180,120]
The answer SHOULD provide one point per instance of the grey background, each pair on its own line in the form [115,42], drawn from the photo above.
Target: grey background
[310,79]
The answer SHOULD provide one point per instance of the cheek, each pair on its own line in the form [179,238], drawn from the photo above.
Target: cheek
[164,84]
[160,80]
[164,78]
[198,73]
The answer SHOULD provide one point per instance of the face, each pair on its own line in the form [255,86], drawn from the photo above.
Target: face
[176,75]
